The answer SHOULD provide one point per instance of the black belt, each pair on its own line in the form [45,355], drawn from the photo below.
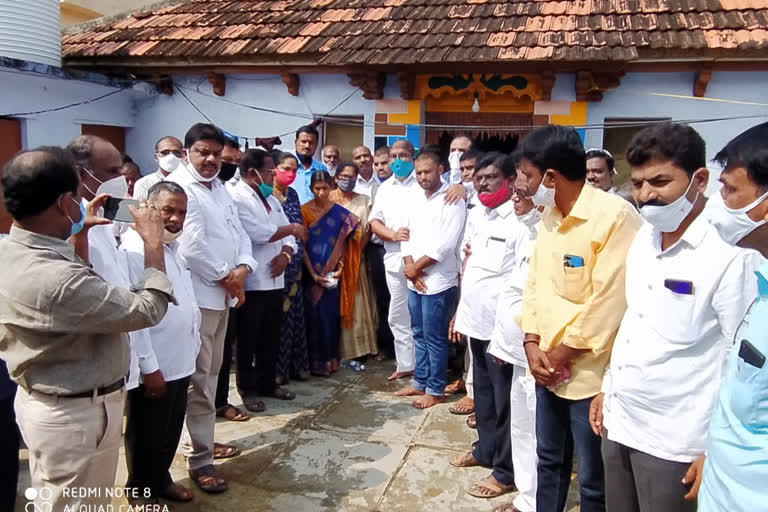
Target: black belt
[104,390]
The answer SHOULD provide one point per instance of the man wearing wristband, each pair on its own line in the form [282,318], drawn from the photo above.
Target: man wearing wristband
[217,251]
[572,306]
[273,243]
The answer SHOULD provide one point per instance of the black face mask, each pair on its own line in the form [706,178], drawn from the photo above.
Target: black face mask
[227,171]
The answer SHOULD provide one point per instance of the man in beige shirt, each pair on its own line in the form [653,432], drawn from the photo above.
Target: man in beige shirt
[62,328]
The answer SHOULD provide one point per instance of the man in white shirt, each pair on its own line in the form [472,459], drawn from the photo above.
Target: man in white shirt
[367,183]
[155,416]
[467,168]
[331,157]
[217,251]
[459,145]
[381,164]
[273,245]
[431,261]
[687,291]
[507,347]
[601,169]
[495,237]
[168,155]
[230,160]
[389,221]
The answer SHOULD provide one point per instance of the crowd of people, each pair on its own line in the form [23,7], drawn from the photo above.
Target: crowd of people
[620,326]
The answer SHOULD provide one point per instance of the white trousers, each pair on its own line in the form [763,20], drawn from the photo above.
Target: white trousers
[522,402]
[400,321]
[468,373]
[74,444]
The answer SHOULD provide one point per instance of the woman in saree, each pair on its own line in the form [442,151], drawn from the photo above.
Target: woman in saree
[357,311]
[328,225]
[293,356]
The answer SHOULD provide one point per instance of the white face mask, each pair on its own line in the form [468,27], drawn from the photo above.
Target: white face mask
[531,218]
[454,159]
[733,225]
[668,218]
[544,196]
[169,162]
[169,237]
[199,177]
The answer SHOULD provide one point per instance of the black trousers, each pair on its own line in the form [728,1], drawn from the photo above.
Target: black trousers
[222,387]
[384,337]
[258,342]
[9,454]
[456,358]
[492,383]
[152,432]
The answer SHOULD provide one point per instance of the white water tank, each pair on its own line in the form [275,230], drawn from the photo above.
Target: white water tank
[30,30]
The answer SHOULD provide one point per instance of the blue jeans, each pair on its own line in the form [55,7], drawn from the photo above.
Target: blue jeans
[430,316]
[562,426]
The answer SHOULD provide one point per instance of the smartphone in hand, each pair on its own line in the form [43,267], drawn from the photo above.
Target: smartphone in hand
[117,209]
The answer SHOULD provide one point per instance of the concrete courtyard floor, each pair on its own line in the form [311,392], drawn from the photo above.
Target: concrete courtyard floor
[344,444]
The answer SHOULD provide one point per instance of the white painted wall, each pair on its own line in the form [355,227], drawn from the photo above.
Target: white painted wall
[25,92]
[161,115]
[632,99]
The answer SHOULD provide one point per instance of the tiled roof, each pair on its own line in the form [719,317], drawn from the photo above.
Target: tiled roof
[396,32]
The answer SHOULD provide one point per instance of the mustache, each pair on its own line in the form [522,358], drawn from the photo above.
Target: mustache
[652,202]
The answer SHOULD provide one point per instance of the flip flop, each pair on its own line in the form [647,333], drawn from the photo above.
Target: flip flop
[206,479]
[282,394]
[464,460]
[461,408]
[254,405]
[177,492]
[225,451]
[507,507]
[472,421]
[486,489]
[231,413]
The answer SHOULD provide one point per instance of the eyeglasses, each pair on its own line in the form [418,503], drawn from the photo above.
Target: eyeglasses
[165,152]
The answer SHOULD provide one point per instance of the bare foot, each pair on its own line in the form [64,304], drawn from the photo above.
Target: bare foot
[456,386]
[427,401]
[409,391]
[399,375]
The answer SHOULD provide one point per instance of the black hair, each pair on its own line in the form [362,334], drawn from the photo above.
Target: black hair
[165,186]
[505,163]
[383,150]
[128,160]
[342,165]
[321,177]
[558,148]
[281,156]
[231,142]
[748,149]
[431,155]
[203,131]
[34,180]
[253,159]
[601,153]
[167,137]
[668,142]
[470,154]
[308,129]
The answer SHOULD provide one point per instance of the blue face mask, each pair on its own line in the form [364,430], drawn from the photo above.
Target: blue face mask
[401,168]
[77,226]
[265,190]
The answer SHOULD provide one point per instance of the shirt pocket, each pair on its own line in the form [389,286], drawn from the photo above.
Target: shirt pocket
[572,283]
[673,316]
[492,255]
[748,392]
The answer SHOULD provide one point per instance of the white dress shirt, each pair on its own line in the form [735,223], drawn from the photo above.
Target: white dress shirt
[173,344]
[388,207]
[495,237]
[260,226]
[213,242]
[669,354]
[507,337]
[367,188]
[436,229]
[142,185]
[107,261]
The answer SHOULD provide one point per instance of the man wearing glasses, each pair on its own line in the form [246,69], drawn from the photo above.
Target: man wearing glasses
[168,154]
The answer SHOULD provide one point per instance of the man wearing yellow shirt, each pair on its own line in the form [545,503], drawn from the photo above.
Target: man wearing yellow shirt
[572,306]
